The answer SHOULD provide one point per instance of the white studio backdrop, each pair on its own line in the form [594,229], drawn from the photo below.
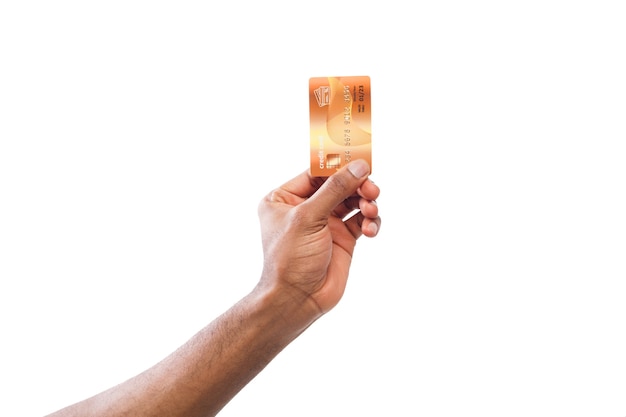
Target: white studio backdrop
[137,138]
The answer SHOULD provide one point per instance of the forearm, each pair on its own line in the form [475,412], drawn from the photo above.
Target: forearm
[214,365]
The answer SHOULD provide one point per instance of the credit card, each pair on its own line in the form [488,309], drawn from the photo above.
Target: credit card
[341,119]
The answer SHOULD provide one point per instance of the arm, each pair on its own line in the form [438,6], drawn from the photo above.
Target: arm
[308,247]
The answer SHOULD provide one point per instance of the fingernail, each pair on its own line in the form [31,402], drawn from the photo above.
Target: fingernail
[359,168]
[373,228]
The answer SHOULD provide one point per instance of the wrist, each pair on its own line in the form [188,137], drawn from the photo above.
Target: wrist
[290,307]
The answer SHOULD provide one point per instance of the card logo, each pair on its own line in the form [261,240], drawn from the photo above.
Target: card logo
[322,95]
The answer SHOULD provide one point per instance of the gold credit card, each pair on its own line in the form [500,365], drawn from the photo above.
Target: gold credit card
[341,122]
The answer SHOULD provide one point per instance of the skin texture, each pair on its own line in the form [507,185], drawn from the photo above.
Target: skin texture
[309,228]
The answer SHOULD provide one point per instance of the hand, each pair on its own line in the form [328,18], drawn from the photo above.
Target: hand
[308,241]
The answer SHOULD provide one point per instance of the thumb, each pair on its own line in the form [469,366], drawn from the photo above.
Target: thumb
[339,186]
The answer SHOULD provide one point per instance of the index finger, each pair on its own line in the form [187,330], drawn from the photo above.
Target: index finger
[340,186]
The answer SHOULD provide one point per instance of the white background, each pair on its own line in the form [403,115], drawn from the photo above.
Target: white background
[137,138]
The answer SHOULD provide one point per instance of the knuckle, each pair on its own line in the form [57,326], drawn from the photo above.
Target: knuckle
[298,216]
[278,195]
